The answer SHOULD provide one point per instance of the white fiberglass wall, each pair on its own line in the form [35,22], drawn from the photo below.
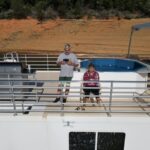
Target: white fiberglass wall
[52,133]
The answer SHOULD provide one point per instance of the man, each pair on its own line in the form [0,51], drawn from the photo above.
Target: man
[92,86]
[67,61]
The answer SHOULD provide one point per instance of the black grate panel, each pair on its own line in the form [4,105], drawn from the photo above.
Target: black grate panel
[82,141]
[111,141]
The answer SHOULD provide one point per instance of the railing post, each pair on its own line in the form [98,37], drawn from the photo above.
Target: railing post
[110,98]
[81,98]
[23,107]
[26,62]
[9,82]
[47,63]
[13,99]
[34,76]
[37,99]
[61,99]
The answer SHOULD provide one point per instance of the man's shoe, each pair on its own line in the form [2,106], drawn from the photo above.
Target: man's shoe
[28,110]
[56,100]
[64,100]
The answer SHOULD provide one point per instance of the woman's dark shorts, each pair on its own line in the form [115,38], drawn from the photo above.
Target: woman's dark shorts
[87,92]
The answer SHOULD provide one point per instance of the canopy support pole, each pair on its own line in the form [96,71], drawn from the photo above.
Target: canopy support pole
[130,41]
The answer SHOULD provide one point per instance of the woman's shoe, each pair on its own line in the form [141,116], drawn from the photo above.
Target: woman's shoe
[78,108]
[82,108]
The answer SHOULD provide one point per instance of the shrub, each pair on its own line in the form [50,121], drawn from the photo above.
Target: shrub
[129,15]
[50,13]
[70,14]
[104,14]
[90,13]
[7,14]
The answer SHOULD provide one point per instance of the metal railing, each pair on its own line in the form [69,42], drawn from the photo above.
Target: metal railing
[31,95]
[48,62]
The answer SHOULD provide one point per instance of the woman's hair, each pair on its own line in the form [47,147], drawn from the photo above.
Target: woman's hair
[91,65]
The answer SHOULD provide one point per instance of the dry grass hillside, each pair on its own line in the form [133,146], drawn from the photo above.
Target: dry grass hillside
[92,36]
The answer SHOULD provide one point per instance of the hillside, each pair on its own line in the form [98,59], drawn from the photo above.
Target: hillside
[95,36]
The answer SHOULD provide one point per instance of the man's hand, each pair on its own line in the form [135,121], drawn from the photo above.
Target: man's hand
[70,63]
[61,63]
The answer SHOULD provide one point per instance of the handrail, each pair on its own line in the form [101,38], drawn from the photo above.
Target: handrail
[17,99]
[74,81]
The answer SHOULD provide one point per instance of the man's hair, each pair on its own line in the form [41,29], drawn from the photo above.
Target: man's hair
[67,45]
[91,65]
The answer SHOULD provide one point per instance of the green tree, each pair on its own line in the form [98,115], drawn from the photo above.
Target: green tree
[4,5]
[40,7]
[73,8]
[78,9]
[18,8]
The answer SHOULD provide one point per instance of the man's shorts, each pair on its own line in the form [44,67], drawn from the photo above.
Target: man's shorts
[65,82]
[65,79]
[87,92]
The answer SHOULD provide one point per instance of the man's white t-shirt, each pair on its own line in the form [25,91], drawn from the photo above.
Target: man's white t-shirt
[67,70]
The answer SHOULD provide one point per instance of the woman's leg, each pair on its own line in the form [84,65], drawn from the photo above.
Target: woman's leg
[85,98]
[96,93]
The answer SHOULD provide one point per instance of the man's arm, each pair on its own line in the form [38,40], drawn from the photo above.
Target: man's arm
[75,62]
[60,61]
[72,64]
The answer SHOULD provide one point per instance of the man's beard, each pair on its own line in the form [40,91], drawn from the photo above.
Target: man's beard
[67,53]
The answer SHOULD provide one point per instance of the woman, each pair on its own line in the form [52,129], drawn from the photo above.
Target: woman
[93,85]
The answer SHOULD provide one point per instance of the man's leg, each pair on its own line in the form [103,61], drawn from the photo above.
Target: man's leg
[68,80]
[60,89]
